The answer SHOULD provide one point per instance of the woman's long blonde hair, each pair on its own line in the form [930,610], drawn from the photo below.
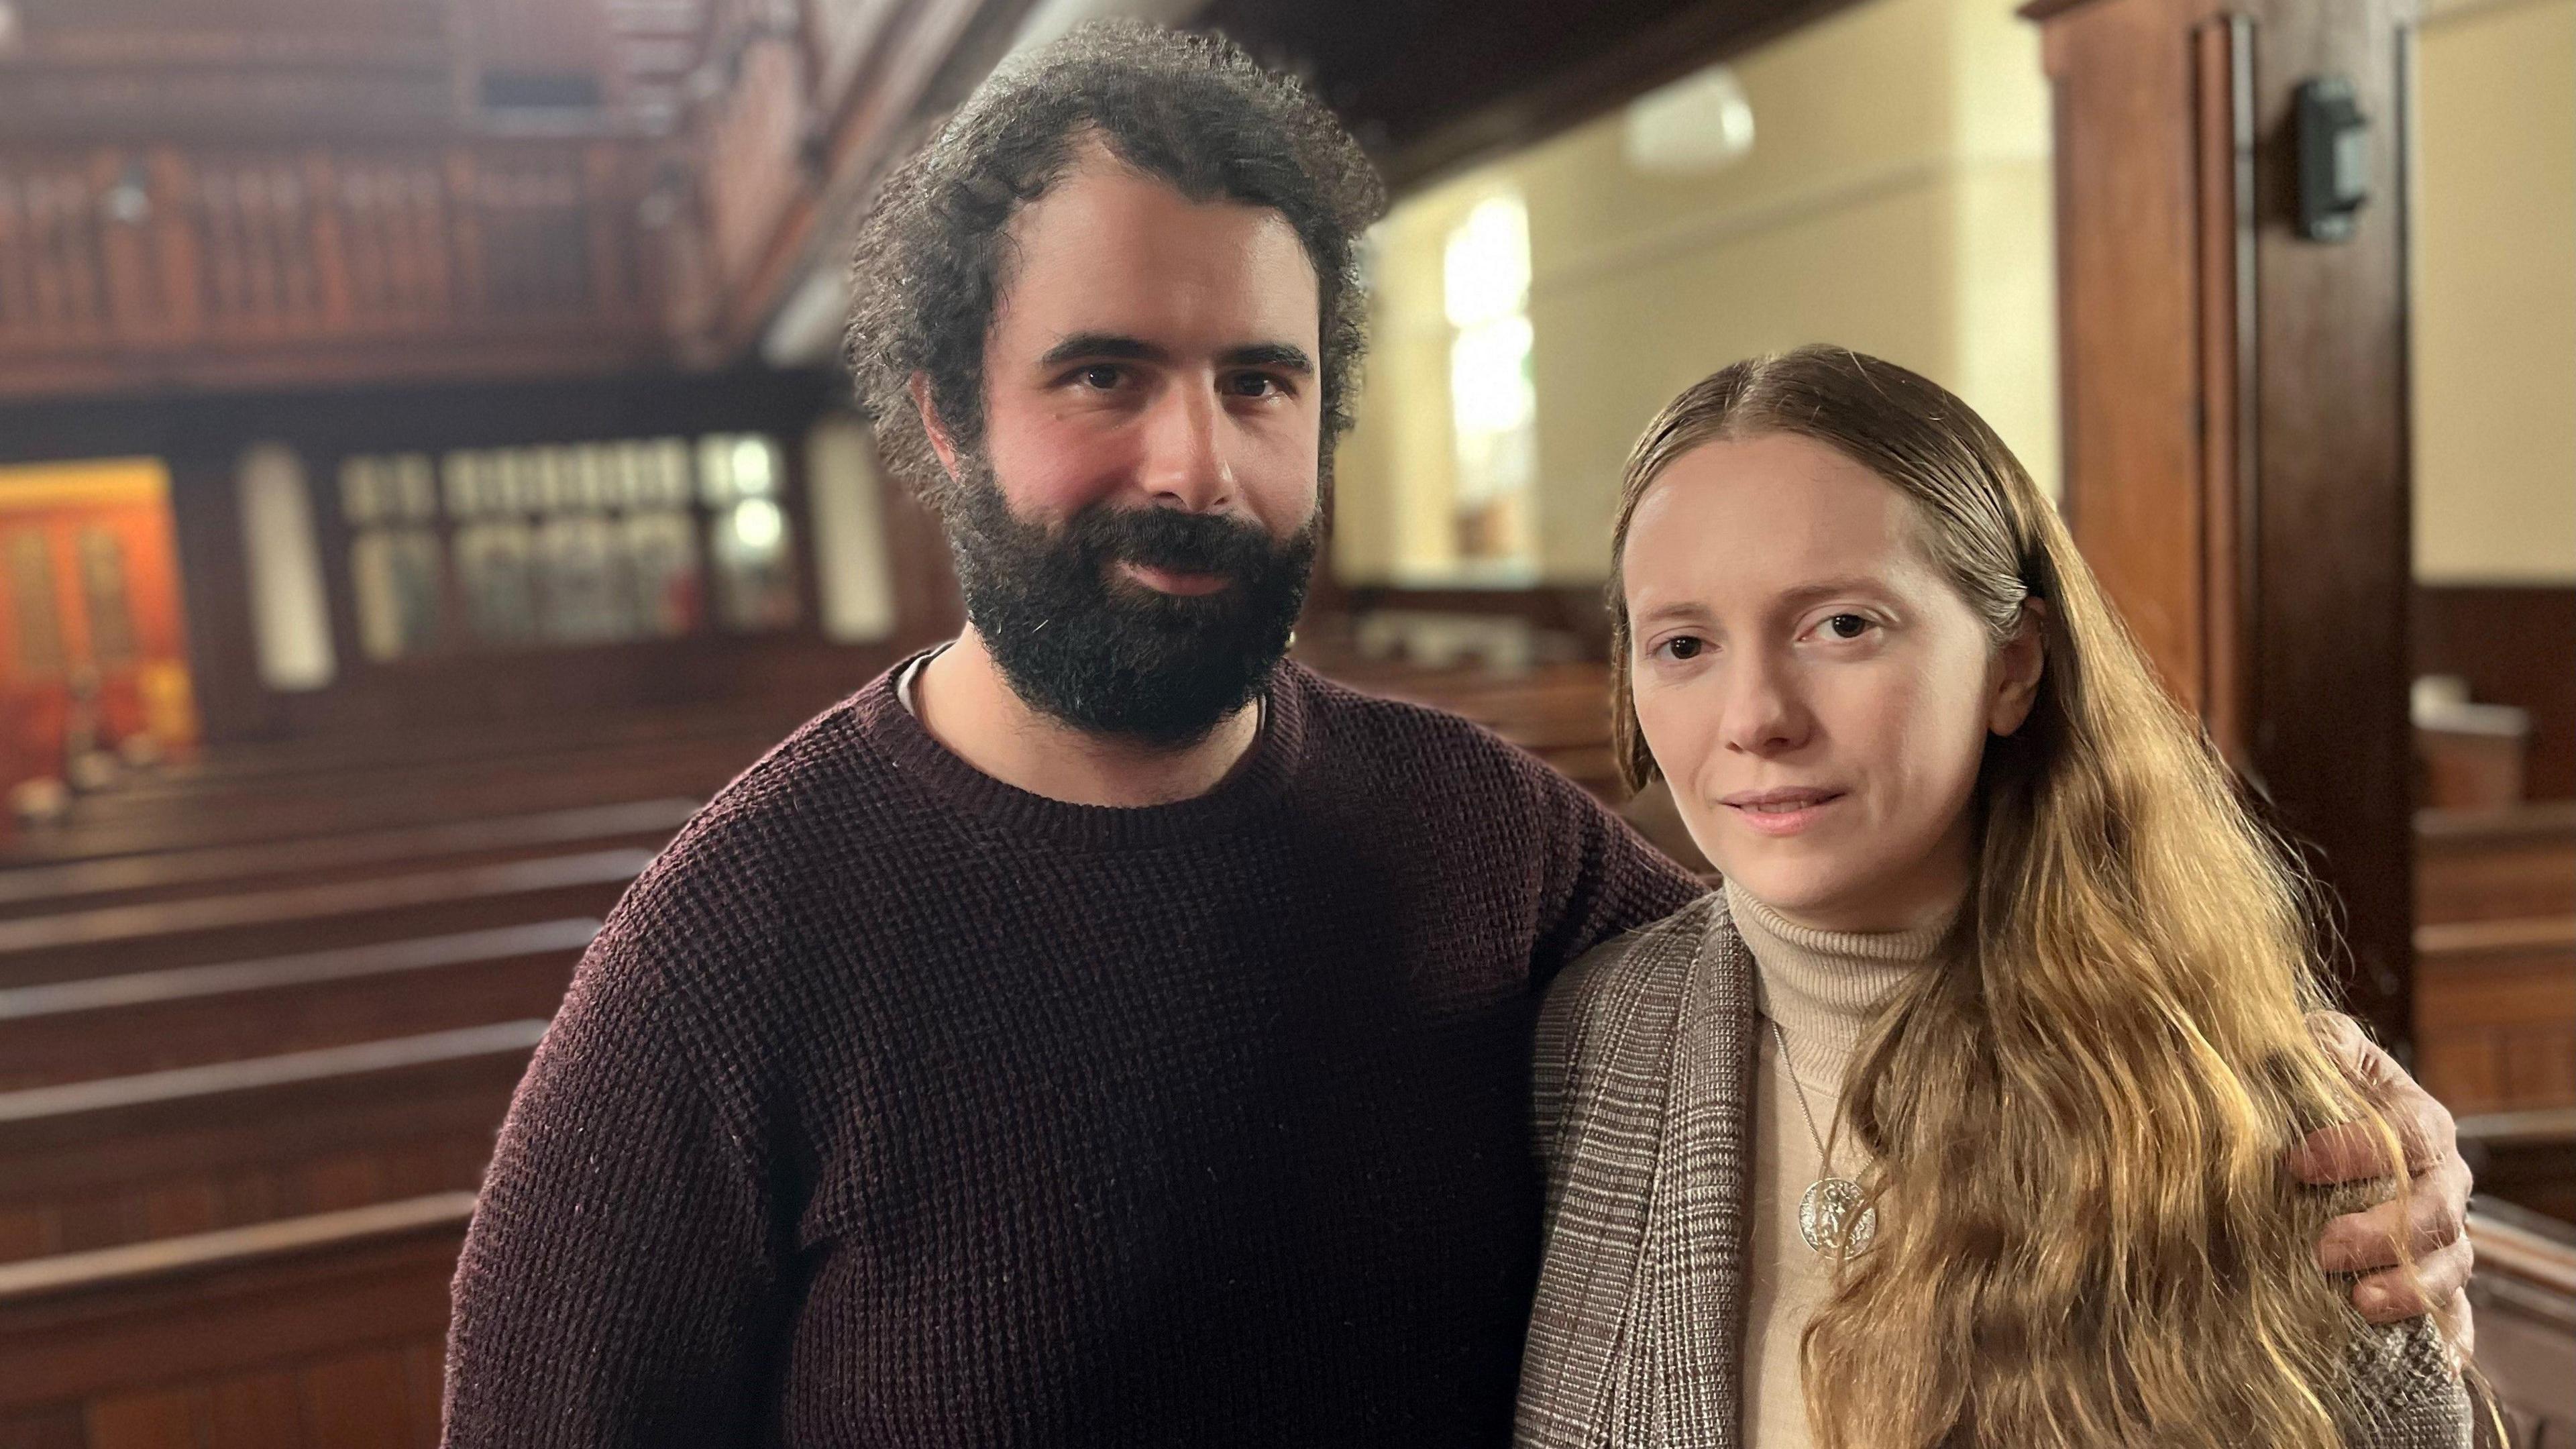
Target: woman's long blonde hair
[2087,1231]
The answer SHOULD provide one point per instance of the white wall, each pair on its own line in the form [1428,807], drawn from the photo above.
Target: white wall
[2495,294]
[1896,199]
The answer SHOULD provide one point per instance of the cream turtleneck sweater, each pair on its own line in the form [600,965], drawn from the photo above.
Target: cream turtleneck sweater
[1823,988]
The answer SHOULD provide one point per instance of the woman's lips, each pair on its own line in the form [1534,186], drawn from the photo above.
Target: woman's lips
[1781,812]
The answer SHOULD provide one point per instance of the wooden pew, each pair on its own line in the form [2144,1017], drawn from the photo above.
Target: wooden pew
[2524,1296]
[2489,864]
[176,874]
[1558,712]
[124,1159]
[118,940]
[2525,1158]
[2495,1013]
[195,1015]
[415,745]
[149,800]
[376,803]
[320,1332]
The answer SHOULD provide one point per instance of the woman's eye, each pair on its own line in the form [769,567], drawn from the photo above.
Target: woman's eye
[1684,647]
[1847,626]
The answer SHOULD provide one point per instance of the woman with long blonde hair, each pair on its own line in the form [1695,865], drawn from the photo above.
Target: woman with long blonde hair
[1959,1116]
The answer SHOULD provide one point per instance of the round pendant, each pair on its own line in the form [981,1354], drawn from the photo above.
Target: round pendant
[1829,1204]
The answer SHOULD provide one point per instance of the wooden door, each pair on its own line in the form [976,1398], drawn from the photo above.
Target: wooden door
[93,649]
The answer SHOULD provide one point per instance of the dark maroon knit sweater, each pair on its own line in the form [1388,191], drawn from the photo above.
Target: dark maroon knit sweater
[896,1106]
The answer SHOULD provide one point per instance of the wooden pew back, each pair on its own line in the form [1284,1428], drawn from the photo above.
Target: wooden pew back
[325,1332]
[117,940]
[120,1160]
[46,889]
[2495,1013]
[2524,1297]
[2495,864]
[197,1015]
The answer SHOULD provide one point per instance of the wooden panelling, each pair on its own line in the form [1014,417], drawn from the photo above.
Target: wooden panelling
[2513,645]
[148,266]
[2234,401]
[97,68]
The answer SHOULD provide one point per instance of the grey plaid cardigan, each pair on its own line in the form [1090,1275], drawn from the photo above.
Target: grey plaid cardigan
[1644,1091]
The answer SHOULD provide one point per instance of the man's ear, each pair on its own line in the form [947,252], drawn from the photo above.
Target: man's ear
[940,442]
[2018,667]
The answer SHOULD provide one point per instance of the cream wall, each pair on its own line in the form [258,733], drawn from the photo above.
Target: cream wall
[1896,200]
[2495,293]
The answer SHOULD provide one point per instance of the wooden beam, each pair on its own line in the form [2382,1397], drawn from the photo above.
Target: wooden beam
[1432,88]
[913,50]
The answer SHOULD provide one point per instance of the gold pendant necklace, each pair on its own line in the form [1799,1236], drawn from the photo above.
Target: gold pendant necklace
[1826,1211]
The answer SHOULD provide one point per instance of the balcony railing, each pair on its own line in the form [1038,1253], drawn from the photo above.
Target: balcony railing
[180,261]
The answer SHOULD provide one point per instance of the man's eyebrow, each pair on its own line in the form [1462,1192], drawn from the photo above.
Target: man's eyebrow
[1101,344]
[1111,345]
[1270,354]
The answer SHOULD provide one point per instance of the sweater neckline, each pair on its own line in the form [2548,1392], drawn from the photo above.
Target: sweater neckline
[1255,783]
[1824,988]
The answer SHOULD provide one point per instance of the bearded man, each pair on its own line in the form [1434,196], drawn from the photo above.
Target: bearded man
[1097,1031]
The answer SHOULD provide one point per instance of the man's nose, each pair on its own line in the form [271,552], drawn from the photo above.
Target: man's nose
[1187,465]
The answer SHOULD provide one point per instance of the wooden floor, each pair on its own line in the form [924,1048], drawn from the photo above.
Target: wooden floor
[261,1014]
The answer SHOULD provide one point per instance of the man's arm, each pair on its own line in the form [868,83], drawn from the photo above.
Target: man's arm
[1603,878]
[2431,1221]
[618,1283]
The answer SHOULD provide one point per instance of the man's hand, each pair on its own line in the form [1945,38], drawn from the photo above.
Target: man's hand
[2432,1223]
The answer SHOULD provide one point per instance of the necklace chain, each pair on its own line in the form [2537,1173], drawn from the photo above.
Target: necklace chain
[1834,1215]
[1790,1069]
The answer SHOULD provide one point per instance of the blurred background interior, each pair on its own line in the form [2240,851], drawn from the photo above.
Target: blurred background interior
[424,478]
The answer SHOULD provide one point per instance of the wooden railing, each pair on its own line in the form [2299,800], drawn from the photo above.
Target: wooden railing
[2524,1292]
[168,260]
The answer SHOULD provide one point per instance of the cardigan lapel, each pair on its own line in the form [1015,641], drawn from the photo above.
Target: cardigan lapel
[1637,1335]
[1699,1219]
[1617,1041]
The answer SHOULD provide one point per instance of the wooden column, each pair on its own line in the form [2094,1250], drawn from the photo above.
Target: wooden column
[2236,408]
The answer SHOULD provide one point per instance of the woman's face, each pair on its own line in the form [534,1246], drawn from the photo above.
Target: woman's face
[1814,689]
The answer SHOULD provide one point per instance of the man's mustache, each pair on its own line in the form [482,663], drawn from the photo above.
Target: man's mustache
[1168,538]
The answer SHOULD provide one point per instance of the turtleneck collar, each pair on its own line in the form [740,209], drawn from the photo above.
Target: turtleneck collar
[1825,987]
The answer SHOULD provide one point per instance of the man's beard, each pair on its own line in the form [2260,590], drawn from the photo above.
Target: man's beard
[1080,641]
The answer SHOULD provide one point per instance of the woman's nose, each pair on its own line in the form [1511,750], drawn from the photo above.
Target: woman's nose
[1764,713]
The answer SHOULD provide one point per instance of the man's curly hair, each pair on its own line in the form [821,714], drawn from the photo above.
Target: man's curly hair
[933,257]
